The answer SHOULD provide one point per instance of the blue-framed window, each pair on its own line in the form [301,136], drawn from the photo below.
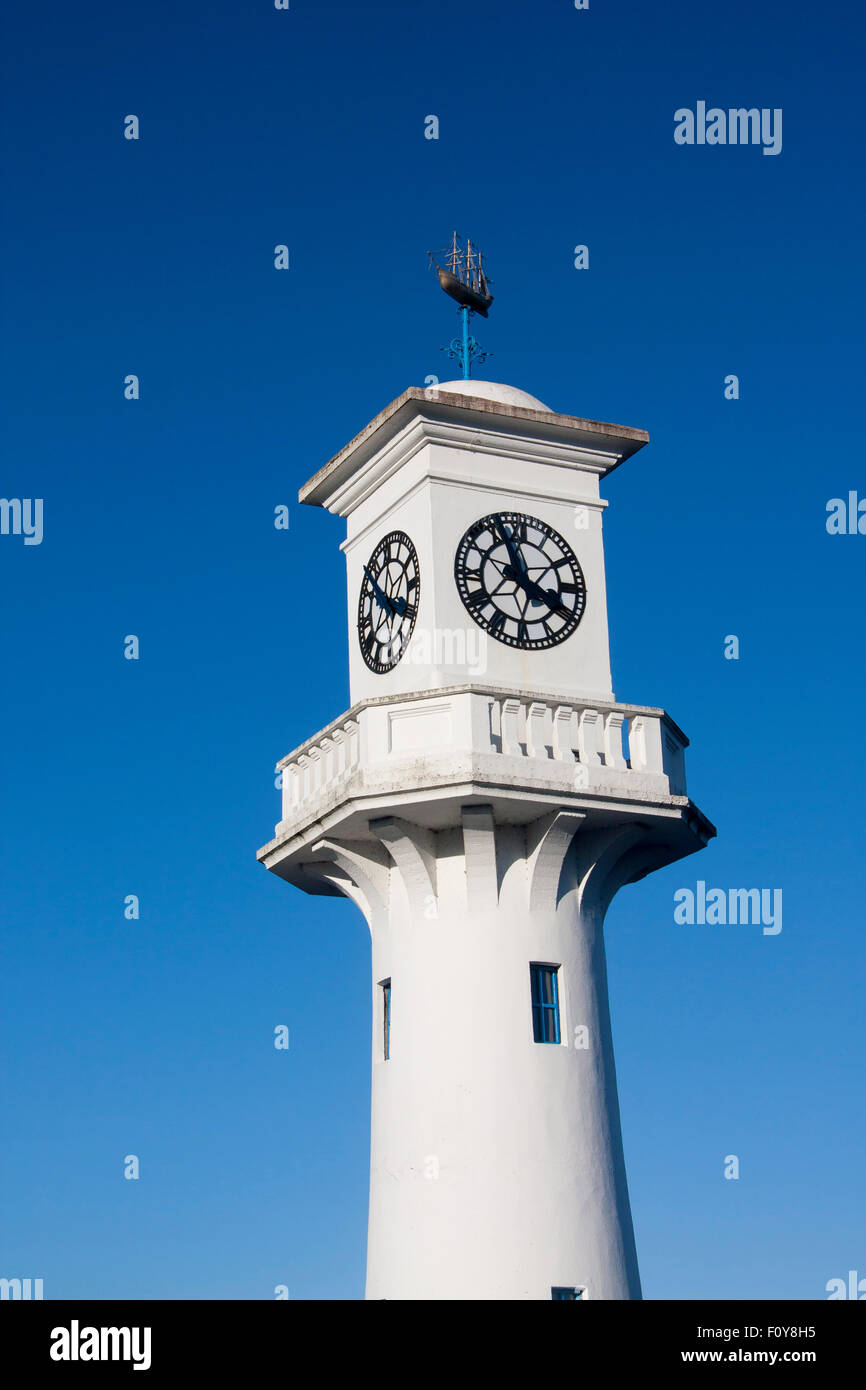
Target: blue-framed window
[567,1295]
[386,1019]
[545,1003]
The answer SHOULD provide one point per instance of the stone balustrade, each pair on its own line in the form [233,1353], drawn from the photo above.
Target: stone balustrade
[611,747]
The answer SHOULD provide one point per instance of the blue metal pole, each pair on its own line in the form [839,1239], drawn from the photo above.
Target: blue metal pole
[464,314]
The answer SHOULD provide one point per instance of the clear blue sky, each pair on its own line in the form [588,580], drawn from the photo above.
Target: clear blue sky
[155,777]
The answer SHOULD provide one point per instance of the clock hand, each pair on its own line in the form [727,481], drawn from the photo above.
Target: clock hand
[554,599]
[521,577]
[557,606]
[549,597]
[397,605]
[513,550]
[381,598]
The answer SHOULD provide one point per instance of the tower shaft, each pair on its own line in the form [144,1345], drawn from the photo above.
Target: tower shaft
[482,801]
[497,1168]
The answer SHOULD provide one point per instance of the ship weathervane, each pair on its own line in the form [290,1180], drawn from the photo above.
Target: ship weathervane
[463,277]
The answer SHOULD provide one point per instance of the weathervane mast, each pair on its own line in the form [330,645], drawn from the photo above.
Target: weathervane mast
[464,279]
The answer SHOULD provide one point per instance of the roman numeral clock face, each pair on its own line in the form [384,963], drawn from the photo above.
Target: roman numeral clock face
[388,603]
[520,580]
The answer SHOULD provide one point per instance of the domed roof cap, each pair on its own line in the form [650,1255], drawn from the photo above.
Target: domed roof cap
[492,391]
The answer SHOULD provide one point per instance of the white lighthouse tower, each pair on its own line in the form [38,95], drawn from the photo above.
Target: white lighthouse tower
[482,801]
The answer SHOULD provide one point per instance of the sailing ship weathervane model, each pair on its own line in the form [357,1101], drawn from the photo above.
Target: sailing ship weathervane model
[463,277]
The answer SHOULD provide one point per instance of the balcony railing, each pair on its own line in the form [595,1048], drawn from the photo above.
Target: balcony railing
[604,746]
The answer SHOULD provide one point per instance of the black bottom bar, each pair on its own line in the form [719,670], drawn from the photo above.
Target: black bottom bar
[215,1339]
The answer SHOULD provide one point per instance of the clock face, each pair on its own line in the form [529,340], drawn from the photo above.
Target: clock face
[388,602]
[520,580]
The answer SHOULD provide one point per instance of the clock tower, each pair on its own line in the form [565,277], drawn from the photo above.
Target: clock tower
[482,800]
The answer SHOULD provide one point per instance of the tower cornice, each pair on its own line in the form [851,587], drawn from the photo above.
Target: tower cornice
[418,417]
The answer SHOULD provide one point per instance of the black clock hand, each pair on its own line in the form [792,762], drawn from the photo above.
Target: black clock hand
[546,596]
[381,598]
[513,550]
[521,577]
[554,600]
[398,605]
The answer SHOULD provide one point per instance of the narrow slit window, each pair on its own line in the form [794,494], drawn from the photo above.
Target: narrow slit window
[545,1003]
[574,1294]
[386,1019]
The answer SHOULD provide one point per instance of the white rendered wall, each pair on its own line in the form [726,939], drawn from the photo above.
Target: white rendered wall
[496,1162]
